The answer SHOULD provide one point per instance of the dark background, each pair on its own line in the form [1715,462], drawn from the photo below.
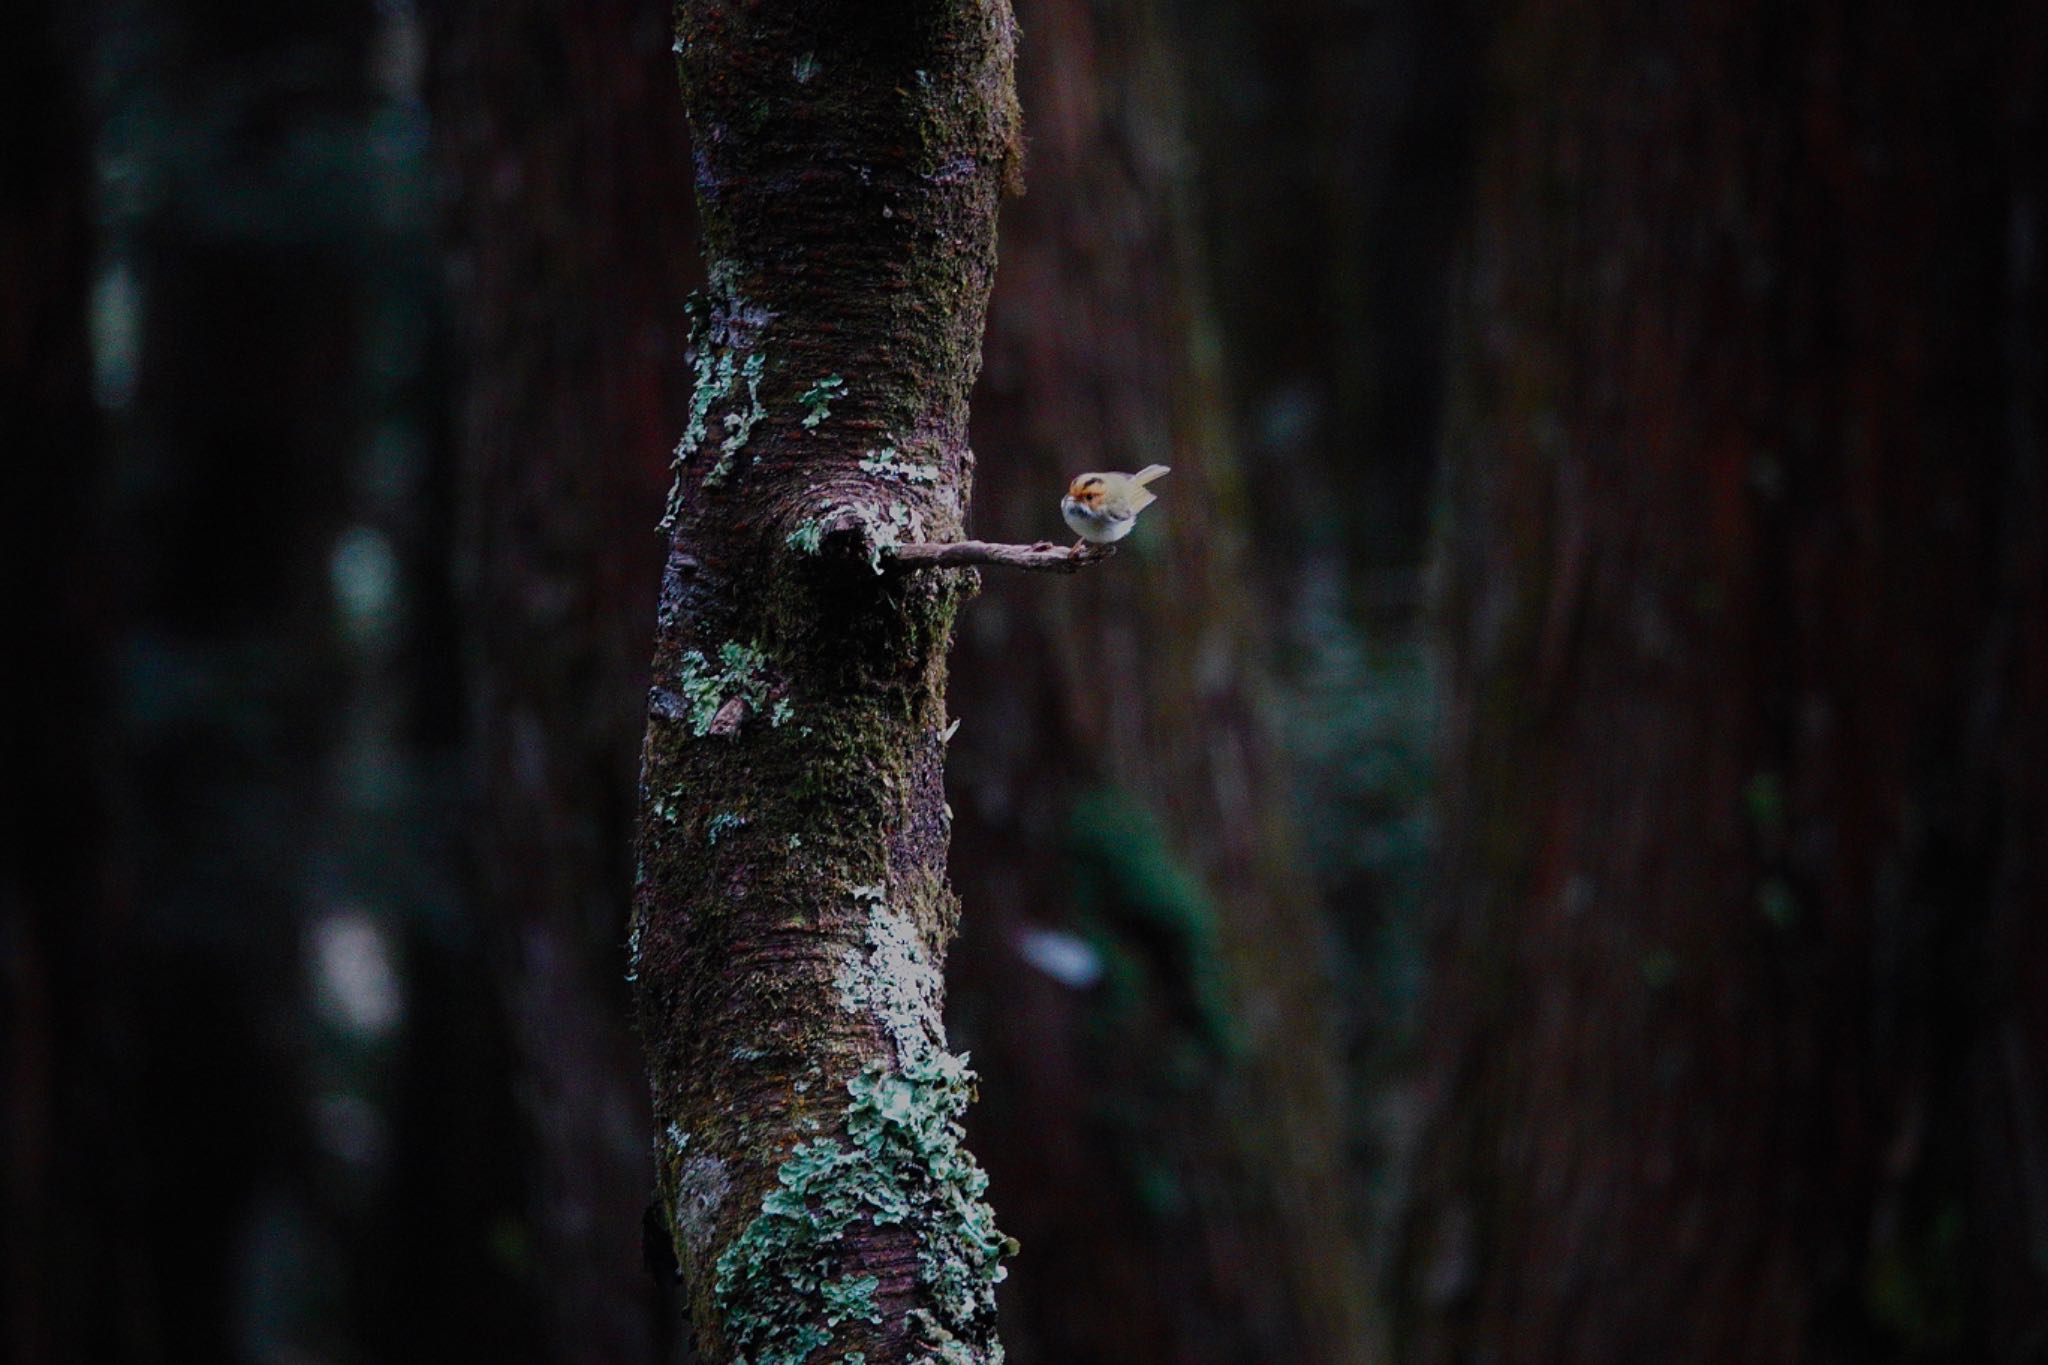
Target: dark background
[1539,852]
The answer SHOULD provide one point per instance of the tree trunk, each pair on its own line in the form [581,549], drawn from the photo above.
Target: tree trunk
[1142,972]
[571,234]
[237,308]
[71,1287]
[792,912]
[1738,1048]
[1355,118]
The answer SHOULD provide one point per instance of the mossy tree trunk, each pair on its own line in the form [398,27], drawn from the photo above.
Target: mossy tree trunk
[792,912]
[1738,1049]
[571,232]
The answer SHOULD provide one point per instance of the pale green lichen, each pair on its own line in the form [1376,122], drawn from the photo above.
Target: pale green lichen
[712,370]
[883,528]
[807,537]
[888,462]
[739,424]
[890,975]
[782,1284]
[723,823]
[899,524]
[851,1298]
[710,382]
[725,330]
[741,671]
[818,399]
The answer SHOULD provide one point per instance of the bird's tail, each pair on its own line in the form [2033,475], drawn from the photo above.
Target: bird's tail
[1149,473]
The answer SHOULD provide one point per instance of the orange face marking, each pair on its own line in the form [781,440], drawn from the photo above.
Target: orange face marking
[1087,488]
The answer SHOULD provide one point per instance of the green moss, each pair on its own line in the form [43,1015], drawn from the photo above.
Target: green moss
[1130,885]
[1763,796]
[1776,903]
[1916,1284]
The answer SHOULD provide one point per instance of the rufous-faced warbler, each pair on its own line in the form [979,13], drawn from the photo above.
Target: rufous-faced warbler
[1102,508]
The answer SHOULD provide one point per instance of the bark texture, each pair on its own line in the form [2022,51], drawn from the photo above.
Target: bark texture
[1738,1047]
[571,234]
[792,912]
[1142,974]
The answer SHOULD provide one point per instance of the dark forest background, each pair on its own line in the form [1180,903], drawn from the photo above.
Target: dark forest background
[1539,852]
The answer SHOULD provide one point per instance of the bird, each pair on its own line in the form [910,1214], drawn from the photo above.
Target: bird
[1102,508]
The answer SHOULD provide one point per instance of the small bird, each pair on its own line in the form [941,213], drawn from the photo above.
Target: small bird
[1102,508]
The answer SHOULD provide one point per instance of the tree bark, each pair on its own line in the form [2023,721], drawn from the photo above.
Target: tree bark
[571,238]
[1737,1049]
[792,912]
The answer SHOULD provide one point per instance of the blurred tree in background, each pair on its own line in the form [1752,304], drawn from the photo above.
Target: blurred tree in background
[1331,164]
[571,249]
[70,1272]
[1737,1049]
[1144,972]
[287,1092]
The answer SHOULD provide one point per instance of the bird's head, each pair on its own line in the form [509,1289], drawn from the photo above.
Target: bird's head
[1087,492]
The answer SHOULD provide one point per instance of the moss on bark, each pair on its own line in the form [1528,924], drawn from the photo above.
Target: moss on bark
[848,169]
